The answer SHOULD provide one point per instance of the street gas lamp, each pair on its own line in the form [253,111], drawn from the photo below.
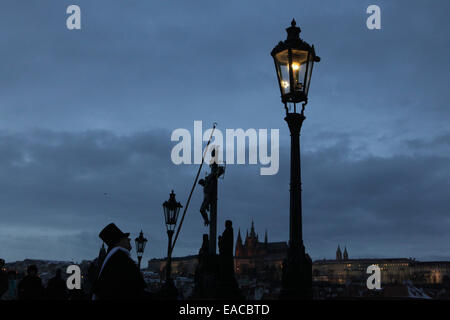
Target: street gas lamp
[171,210]
[140,247]
[294,60]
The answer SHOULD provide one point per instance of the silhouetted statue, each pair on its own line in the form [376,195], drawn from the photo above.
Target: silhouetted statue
[56,287]
[226,251]
[207,197]
[30,287]
[202,258]
[208,186]
[202,269]
[227,286]
[119,276]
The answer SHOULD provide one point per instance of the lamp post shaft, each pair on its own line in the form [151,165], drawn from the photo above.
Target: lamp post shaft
[139,262]
[295,121]
[169,256]
[297,271]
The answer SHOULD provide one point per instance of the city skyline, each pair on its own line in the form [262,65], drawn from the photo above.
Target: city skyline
[86,118]
[329,256]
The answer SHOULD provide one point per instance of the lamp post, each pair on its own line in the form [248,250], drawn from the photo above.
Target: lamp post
[294,60]
[171,211]
[140,247]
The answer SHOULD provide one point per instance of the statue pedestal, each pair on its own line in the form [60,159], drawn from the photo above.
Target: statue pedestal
[206,277]
[212,283]
[297,276]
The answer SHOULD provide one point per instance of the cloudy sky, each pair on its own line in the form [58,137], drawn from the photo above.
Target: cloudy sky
[89,112]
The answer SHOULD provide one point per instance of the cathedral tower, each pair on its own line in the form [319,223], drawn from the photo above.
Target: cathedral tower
[239,247]
[345,253]
[338,254]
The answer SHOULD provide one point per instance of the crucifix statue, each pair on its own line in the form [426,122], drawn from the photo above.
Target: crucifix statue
[209,203]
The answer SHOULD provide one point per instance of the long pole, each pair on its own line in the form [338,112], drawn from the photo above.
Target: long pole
[193,186]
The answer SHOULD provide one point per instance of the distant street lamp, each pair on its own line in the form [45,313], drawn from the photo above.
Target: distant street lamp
[294,60]
[140,247]
[171,211]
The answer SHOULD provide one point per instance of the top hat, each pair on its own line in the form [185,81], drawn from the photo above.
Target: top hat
[111,234]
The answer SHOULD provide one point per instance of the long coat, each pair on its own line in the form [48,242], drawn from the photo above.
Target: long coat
[120,279]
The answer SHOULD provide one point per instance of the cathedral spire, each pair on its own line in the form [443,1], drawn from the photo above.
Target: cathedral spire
[265,237]
[239,251]
[345,253]
[338,253]
[252,231]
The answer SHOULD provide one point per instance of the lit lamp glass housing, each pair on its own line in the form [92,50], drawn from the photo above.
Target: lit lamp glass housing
[294,60]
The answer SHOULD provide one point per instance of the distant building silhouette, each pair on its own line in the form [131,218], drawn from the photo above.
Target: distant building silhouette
[258,259]
[393,270]
[253,256]
[340,256]
[250,257]
[181,266]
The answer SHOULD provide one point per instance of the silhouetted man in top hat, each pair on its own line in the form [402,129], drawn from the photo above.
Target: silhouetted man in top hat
[119,277]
